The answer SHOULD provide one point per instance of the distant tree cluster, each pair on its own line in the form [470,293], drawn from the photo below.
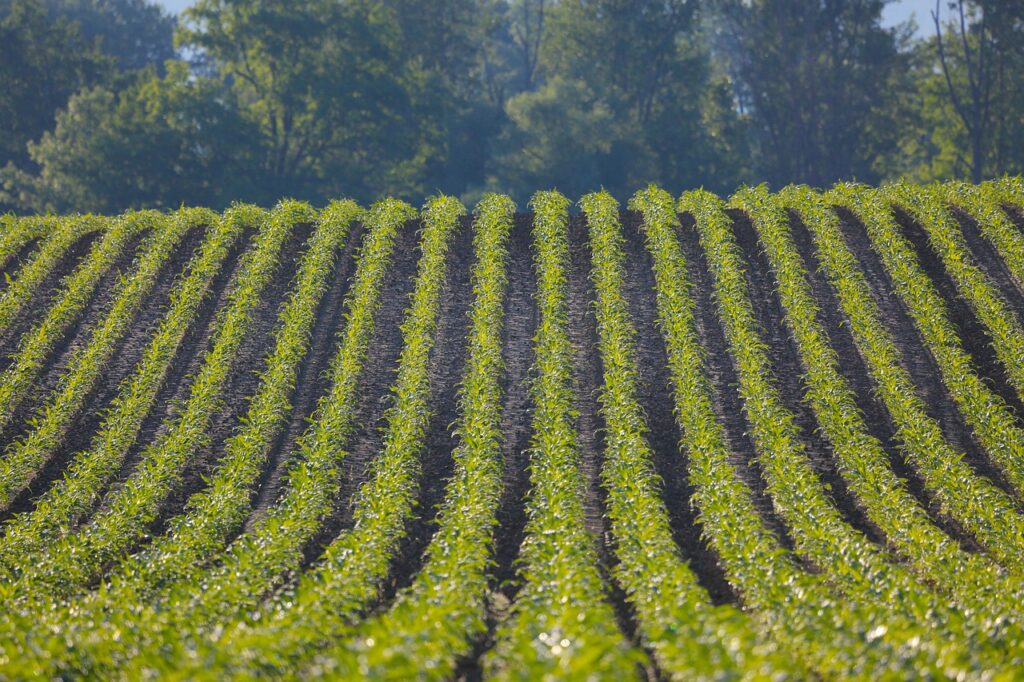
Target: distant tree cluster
[114,104]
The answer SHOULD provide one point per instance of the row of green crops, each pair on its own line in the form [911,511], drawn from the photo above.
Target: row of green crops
[249,568]
[561,624]
[850,561]
[983,205]
[38,344]
[17,234]
[62,236]
[825,632]
[975,582]
[987,412]
[260,558]
[226,588]
[438,619]
[928,207]
[354,566]
[216,512]
[90,471]
[690,638]
[130,508]
[975,502]
[86,367]
[846,557]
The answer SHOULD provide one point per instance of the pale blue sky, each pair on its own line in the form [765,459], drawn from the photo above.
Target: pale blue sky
[894,13]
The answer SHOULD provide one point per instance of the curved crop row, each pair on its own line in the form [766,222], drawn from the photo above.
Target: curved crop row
[91,471]
[691,639]
[129,510]
[22,463]
[259,559]
[65,232]
[348,576]
[928,207]
[173,594]
[16,233]
[831,635]
[982,508]
[561,624]
[847,558]
[1011,191]
[435,622]
[37,344]
[983,205]
[863,462]
[219,510]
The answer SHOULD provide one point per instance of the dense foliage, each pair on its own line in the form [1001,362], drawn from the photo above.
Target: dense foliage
[314,99]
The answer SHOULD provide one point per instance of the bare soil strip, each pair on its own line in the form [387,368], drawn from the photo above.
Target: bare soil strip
[788,372]
[724,382]
[44,297]
[917,358]
[120,366]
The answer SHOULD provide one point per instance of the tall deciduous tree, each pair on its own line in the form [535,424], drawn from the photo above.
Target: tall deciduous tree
[326,85]
[813,77]
[161,142]
[625,96]
[43,61]
[135,33]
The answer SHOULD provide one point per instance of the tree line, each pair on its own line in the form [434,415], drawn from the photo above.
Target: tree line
[114,104]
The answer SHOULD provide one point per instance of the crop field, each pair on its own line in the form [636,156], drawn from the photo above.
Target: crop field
[771,436]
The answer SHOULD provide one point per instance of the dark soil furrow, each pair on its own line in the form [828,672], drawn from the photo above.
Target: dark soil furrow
[377,378]
[244,377]
[973,334]
[312,380]
[855,371]
[186,363]
[988,259]
[788,373]
[521,320]
[917,358]
[654,393]
[11,267]
[724,382]
[588,380]
[74,339]
[131,348]
[447,365]
[44,296]
[590,424]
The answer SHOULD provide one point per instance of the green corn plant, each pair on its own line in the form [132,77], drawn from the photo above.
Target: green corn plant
[38,343]
[23,462]
[861,570]
[978,505]
[129,510]
[64,232]
[562,625]
[91,471]
[826,632]
[691,639]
